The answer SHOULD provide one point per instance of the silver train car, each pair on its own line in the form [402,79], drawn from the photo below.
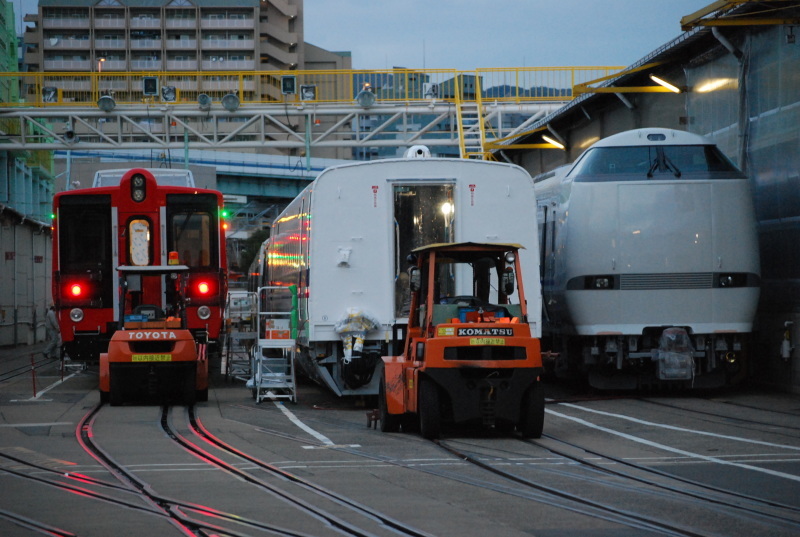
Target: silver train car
[650,264]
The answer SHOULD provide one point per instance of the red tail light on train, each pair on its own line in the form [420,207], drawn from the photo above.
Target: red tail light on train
[79,291]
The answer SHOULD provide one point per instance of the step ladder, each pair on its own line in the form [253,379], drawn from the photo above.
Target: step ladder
[273,354]
[240,334]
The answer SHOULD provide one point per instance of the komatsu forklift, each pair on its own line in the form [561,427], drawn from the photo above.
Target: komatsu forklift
[469,356]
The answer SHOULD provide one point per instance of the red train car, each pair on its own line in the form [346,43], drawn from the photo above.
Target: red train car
[136,221]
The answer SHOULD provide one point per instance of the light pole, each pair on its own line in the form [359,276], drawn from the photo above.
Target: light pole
[100,65]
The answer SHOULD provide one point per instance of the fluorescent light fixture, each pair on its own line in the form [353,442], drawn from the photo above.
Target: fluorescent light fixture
[664,83]
[716,84]
[553,141]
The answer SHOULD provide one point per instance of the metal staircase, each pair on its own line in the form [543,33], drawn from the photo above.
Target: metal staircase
[471,121]
[240,335]
[274,351]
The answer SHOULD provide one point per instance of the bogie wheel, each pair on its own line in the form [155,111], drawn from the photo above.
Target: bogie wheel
[104,397]
[430,413]
[390,423]
[531,419]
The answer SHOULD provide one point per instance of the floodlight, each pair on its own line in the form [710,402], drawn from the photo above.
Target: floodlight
[204,101]
[106,103]
[230,102]
[365,97]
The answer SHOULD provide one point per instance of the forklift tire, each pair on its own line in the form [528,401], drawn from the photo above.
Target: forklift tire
[390,423]
[531,418]
[430,414]
[104,397]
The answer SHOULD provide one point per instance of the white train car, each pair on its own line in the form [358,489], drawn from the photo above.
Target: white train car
[344,242]
[650,262]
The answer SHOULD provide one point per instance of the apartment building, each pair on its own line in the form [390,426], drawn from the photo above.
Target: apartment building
[116,36]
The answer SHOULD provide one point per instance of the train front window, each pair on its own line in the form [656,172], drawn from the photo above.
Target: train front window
[635,163]
[84,234]
[191,234]
[193,229]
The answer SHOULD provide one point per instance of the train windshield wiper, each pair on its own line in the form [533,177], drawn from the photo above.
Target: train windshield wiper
[670,166]
[653,167]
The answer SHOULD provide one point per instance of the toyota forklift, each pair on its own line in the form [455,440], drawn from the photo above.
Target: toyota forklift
[468,356]
[153,356]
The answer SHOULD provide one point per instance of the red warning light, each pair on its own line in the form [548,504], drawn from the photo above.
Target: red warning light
[203,288]
[76,290]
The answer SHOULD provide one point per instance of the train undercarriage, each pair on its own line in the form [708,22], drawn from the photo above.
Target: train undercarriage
[660,357]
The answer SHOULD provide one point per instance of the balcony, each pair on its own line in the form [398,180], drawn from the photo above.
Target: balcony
[67,65]
[181,65]
[145,65]
[227,85]
[114,65]
[109,44]
[108,22]
[206,23]
[229,65]
[182,44]
[71,23]
[173,23]
[55,43]
[228,44]
[145,44]
[138,23]
[70,84]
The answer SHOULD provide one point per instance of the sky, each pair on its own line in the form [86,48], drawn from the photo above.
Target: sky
[473,34]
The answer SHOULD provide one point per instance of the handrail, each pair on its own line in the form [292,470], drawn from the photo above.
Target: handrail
[513,84]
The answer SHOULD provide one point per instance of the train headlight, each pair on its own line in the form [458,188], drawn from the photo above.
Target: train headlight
[732,280]
[204,312]
[76,315]
[600,282]
[510,257]
[138,192]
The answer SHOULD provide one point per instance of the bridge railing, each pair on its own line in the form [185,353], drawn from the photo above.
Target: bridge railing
[516,84]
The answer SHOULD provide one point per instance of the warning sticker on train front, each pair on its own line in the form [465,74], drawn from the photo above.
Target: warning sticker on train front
[151,358]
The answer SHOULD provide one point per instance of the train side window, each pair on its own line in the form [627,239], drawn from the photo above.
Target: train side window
[542,238]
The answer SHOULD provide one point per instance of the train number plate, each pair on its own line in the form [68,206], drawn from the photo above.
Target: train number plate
[151,358]
[487,341]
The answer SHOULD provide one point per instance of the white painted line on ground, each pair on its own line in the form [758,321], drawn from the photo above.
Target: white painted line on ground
[294,419]
[682,429]
[674,450]
[41,393]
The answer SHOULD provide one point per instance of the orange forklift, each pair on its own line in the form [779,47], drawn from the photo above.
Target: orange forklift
[153,357]
[467,358]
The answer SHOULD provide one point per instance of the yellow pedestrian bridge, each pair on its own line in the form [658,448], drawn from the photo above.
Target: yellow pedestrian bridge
[286,110]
